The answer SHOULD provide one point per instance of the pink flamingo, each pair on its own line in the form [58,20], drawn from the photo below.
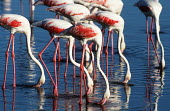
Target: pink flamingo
[56,26]
[50,3]
[18,24]
[112,22]
[84,33]
[152,8]
[74,12]
[114,6]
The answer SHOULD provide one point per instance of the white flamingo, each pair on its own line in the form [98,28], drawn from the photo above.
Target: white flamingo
[18,24]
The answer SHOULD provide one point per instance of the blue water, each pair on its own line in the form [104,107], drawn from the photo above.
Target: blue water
[147,90]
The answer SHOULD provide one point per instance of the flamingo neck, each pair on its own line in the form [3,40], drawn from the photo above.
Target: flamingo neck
[28,37]
[71,40]
[128,75]
[159,41]
[101,71]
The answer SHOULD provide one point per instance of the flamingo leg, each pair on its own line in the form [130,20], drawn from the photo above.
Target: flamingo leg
[103,32]
[13,62]
[55,91]
[6,61]
[112,39]
[148,40]
[57,45]
[107,43]
[40,57]
[82,73]
[152,23]
[65,73]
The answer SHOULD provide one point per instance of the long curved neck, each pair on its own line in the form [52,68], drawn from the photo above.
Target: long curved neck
[101,71]
[159,41]
[121,55]
[28,37]
[71,40]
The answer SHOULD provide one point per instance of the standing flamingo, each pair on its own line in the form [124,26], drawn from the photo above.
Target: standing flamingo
[18,24]
[56,26]
[112,22]
[74,12]
[152,8]
[84,33]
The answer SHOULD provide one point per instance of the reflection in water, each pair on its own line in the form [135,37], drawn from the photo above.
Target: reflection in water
[41,101]
[7,5]
[6,100]
[154,85]
[32,9]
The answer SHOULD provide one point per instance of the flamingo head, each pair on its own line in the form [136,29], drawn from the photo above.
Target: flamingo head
[105,97]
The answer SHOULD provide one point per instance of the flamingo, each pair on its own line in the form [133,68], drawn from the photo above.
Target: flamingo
[152,8]
[114,6]
[74,12]
[50,3]
[112,22]
[18,24]
[88,32]
[56,26]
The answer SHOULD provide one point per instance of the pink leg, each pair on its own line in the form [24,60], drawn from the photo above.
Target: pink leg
[148,39]
[103,32]
[107,43]
[65,73]
[13,62]
[55,90]
[40,57]
[82,72]
[94,73]
[152,23]
[59,54]
[6,61]
[112,42]
[57,45]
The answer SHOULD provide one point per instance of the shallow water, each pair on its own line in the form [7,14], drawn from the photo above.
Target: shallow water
[147,90]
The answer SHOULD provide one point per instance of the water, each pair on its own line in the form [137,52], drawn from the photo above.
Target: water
[147,90]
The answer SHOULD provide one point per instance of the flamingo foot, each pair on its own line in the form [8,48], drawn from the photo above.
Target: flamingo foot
[14,85]
[38,84]
[82,68]
[90,90]
[59,59]
[102,102]
[3,87]
[106,52]
[125,81]
[55,92]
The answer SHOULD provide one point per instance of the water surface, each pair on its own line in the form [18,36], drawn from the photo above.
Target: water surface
[147,90]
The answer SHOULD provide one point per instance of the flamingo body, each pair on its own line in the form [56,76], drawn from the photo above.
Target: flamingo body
[107,19]
[74,12]
[53,25]
[18,24]
[152,8]
[114,6]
